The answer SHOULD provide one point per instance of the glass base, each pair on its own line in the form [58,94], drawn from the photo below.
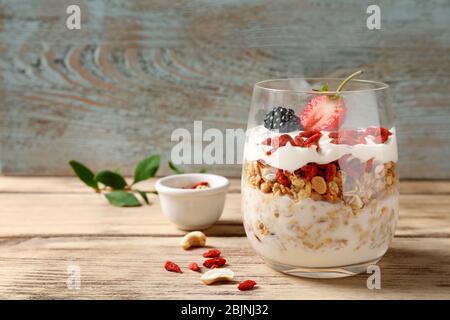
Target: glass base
[322,273]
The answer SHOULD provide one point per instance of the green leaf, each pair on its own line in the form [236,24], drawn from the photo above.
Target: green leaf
[174,168]
[111,179]
[203,170]
[84,173]
[122,199]
[325,87]
[144,196]
[147,168]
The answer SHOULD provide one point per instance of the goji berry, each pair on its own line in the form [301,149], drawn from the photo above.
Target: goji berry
[246,285]
[369,164]
[214,261]
[307,134]
[282,179]
[331,171]
[310,171]
[212,253]
[385,133]
[202,183]
[172,267]
[279,141]
[348,136]
[193,266]
[380,135]
[314,139]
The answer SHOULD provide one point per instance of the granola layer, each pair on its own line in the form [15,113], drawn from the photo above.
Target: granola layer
[347,185]
[348,212]
[312,233]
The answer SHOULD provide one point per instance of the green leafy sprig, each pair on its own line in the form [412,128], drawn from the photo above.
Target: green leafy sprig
[117,191]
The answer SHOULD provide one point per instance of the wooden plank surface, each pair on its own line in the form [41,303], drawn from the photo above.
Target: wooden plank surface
[132,268]
[113,92]
[120,251]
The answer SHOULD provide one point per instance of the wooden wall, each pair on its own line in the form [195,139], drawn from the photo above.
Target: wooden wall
[112,92]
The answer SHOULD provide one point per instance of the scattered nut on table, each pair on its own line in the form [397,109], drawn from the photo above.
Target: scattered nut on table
[193,239]
[217,275]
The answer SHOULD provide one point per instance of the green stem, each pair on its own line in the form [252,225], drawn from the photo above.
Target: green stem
[350,77]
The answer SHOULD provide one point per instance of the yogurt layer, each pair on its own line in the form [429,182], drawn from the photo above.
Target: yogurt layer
[291,158]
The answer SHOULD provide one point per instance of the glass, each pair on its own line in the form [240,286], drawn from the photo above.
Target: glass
[320,183]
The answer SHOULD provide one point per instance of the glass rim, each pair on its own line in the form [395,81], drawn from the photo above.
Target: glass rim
[378,85]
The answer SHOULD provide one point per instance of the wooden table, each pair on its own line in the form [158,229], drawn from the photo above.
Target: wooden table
[50,225]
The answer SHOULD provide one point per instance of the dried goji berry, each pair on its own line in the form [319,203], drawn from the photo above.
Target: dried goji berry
[279,141]
[282,179]
[385,133]
[307,139]
[246,285]
[348,136]
[330,172]
[380,135]
[172,267]
[310,171]
[369,164]
[214,261]
[212,253]
[199,184]
[307,134]
[314,139]
[193,266]
[298,141]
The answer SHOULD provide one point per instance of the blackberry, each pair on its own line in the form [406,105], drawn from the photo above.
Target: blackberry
[282,119]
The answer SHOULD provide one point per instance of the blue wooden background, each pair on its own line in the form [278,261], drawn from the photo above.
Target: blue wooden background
[112,93]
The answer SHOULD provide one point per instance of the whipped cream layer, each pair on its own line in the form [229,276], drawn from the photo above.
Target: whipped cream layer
[291,158]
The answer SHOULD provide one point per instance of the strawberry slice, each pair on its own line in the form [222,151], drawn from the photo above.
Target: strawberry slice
[323,113]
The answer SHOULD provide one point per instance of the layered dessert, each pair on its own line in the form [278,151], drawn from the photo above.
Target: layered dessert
[316,194]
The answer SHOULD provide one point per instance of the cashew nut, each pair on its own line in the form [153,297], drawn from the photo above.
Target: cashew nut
[216,275]
[193,239]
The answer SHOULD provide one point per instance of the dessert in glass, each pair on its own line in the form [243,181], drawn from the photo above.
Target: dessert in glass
[319,180]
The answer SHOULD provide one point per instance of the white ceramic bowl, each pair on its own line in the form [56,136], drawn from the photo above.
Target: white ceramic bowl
[192,209]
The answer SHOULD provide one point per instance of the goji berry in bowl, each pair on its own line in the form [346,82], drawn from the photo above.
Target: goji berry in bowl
[192,208]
